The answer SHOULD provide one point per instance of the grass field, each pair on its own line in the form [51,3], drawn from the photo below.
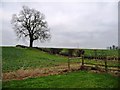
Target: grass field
[14,58]
[79,79]
[112,53]
[98,52]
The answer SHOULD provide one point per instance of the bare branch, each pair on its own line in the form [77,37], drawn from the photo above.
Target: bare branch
[31,23]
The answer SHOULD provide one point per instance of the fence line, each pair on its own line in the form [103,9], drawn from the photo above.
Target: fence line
[82,62]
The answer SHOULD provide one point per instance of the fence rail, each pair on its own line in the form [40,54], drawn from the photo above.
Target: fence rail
[105,62]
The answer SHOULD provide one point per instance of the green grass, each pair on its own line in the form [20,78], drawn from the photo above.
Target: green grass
[14,58]
[79,79]
[100,52]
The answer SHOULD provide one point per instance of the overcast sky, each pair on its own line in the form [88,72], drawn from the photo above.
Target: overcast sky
[72,24]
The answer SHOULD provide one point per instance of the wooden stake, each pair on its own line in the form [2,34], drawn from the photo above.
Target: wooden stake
[68,63]
[82,60]
[106,69]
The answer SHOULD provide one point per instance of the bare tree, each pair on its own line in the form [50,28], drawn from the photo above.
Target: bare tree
[113,46]
[31,23]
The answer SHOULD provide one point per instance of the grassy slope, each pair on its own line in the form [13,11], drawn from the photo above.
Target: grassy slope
[80,79]
[16,58]
[90,52]
[99,52]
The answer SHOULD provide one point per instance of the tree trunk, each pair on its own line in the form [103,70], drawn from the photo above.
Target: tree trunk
[31,43]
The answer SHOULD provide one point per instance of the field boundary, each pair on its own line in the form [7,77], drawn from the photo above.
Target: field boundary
[39,72]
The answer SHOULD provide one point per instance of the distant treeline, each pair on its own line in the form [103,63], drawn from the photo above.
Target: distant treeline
[113,47]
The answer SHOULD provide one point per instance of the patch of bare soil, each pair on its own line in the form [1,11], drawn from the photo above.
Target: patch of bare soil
[23,74]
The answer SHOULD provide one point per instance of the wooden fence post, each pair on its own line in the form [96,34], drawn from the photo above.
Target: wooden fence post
[68,63]
[95,54]
[106,68]
[70,52]
[82,60]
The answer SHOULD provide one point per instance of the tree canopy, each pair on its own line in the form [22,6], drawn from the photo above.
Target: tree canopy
[31,23]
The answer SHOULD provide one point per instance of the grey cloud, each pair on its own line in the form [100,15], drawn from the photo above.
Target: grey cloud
[91,25]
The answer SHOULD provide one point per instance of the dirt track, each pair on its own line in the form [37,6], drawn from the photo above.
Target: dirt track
[23,74]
